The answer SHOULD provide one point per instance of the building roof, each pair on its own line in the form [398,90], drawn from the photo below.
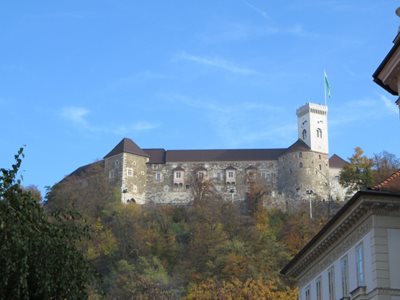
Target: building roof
[222,155]
[352,210]
[335,161]
[299,145]
[157,156]
[390,184]
[127,146]
[377,74]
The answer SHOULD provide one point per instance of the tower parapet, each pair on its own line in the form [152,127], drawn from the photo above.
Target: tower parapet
[312,121]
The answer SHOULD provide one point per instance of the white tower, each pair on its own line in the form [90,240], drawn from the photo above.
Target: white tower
[312,123]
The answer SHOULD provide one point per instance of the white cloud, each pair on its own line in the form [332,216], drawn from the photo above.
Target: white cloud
[75,114]
[362,110]
[261,12]
[78,117]
[389,104]
[244,123]
[135,127]
[236,31]
[218,63]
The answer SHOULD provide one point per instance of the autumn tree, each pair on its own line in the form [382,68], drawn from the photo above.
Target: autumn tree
[385,164]
[359,173]
[87,191]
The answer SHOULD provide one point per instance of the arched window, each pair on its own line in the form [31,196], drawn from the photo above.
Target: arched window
[304,133]
[319,133]
[301,165]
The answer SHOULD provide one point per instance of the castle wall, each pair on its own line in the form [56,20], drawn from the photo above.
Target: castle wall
[338,192]
[301,172]
[161,187]
[134,178]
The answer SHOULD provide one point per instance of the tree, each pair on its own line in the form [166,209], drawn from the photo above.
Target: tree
[385,164]
[359,173]
[39,258]
[237,289]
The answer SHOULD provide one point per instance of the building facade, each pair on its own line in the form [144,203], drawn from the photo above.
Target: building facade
[295,173]
[356,255]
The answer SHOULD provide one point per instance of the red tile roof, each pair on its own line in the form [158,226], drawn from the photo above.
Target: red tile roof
[390,184]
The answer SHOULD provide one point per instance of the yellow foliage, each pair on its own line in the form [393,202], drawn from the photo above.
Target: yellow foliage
[103,242]
[239,290]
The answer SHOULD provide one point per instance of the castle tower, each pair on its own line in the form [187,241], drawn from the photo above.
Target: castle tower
[126,168]
[303,167]
[313,126]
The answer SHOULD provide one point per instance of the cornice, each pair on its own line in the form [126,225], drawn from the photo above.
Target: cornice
[351,223]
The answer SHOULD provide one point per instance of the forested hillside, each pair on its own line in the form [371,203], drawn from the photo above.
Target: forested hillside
[209,250]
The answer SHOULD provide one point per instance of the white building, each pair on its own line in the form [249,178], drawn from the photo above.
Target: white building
[357,253]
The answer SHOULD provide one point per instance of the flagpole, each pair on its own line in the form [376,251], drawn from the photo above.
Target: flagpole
[325,87]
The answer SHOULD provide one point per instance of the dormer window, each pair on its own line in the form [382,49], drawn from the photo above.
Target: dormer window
[230,174]
[179,176]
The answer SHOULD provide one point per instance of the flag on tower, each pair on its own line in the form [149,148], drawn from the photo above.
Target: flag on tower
[327,86]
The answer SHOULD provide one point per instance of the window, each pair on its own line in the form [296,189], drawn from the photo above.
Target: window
[308,293]
[360,265]
[201,175]
[111,174]
[116,163]
[129,172]
[301,165]
[318,288]
[300,154]
[331,283]
[319,133]
[320,167]
[304,134]
[344,269]
[230,175]
[179,175]
[158,176]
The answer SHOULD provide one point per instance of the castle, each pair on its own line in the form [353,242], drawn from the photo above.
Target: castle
[299,172]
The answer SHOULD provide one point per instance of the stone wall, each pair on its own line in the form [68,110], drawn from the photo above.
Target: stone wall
[301,172]
[134,178]
[161,187]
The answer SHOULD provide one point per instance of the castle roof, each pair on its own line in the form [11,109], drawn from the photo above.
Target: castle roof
[299,145]
[222,155]
[337,162]
[126,146]
[157,156]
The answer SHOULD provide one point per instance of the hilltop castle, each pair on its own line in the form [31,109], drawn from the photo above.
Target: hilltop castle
[301,171]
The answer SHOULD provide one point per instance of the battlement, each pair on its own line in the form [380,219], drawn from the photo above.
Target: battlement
[312,108]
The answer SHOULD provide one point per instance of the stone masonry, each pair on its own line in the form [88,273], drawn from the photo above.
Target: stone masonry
[301,171]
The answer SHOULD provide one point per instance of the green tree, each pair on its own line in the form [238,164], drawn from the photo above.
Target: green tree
[359,173]
[39,258]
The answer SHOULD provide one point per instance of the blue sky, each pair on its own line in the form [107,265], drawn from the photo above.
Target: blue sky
[78,76]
